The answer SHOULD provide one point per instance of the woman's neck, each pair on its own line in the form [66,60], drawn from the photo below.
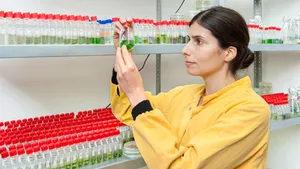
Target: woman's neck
[217,81]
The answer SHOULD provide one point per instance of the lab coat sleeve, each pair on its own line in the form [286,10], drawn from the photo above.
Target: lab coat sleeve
[122,109]
[224,145]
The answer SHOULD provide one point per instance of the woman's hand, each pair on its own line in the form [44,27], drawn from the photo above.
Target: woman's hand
[129,78]
[119,27]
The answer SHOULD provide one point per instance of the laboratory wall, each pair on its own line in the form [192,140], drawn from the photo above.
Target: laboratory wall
[40,86]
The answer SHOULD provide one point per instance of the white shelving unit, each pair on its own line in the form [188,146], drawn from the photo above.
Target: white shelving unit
[122,163]
[106,50]
[278,125]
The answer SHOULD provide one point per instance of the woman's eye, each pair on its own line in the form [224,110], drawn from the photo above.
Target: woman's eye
[199,41]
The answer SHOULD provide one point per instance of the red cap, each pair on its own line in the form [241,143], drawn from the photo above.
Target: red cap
[12,147]
[18,15]
[57,17]
[26,15]
[90,138]
[29,151]
[85,18]
[27,145]
[57,145]
[94,18]
[36,149]
[1,143]
[34,144]
[49,16]
[19,146]
[71,17]
[9,14]
[2,13]
[4,154]
[21,151]
[44,147]
[51,146]
[2,149]
[13,153]
[15,141]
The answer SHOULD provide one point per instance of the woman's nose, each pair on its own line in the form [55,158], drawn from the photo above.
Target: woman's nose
[185,51]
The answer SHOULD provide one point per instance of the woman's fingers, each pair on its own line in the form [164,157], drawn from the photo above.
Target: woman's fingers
[127,57]
[119,26]
[119,59]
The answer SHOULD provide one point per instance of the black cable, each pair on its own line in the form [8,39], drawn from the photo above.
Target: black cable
[180,6]
[145,61]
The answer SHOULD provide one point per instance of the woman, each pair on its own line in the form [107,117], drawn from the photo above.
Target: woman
[222,124]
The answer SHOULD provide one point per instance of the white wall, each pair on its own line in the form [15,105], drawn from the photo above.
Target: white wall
[39,86]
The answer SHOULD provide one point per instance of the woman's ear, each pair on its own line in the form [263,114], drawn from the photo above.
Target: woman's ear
[231,53]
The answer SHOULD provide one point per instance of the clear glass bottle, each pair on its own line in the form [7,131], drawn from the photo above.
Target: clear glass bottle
[286,27]
[60,155]
[73,22]
[297,20]
[19,28]
[81,30]
[41,163]
[158,32]
[11,28]
[81,151]
[59,29]
[46,156]
[145,31]
[93,149]
[101,25]
[22,158]
[67,155]
[31,159]
[14,158]
[175,32]
[152,38]
[127,37]
[136,27]
[28,28]
[88,30]
[87,152]
[74,153]
[2,29]
[36,28]
[67,30]
[44,25]
[54,156]
[6,160]
[164,32]
[96,30]
[52,27]
[99,148]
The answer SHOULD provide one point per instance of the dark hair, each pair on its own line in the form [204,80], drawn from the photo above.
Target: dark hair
[230,28]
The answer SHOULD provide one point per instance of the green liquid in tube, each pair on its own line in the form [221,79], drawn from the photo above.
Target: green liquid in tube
[110,156]
[80,163]
[129,44]
[104,157]
[74,165]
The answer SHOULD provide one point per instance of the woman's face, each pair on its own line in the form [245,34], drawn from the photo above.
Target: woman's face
[203,56]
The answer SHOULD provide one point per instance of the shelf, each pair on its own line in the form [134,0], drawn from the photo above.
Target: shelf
[16,51]
[277,125]
[121,163]
[274,47]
